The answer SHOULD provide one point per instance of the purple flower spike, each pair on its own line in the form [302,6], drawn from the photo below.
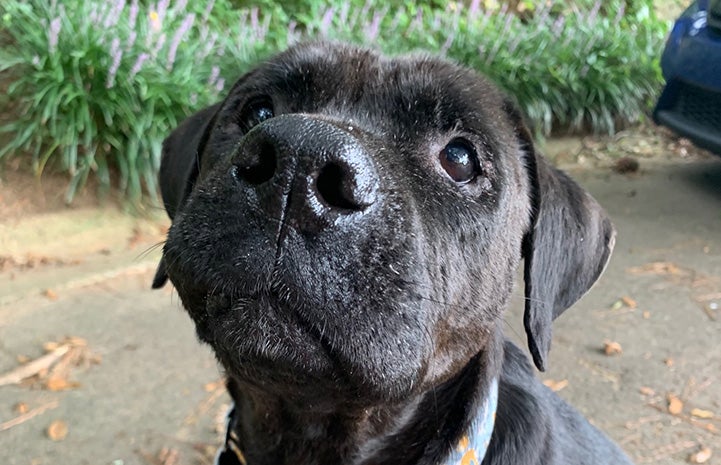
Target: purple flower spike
[131,40]
[112,15]
[159,45]
[448,43]
[557,27]
[372,30]
[142,58]
[619,14]
[133,14]
[474,8]
[327,21]
[254,18]
[182,30]
[54,34]
[292,35]
[214,74]
[162,9]
[594,12]
[208,9]
[117,55]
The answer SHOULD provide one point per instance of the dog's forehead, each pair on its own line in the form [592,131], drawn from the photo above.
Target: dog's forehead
[421,90]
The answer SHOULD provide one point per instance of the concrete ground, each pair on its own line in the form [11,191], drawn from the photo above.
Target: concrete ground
[148,393]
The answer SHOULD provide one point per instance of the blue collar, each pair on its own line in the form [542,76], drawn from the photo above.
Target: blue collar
[472,446]
[470,450]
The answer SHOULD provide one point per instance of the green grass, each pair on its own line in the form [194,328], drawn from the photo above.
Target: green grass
[97,85]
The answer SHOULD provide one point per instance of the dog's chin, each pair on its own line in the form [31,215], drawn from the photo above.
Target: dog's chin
[263,341]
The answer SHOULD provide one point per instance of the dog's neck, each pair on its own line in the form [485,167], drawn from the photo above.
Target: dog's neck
[454,419]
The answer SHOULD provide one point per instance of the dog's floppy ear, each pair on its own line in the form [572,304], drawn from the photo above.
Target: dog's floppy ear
[179,167]
[566,248]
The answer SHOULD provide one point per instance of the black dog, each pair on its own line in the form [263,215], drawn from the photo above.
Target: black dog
[346,229]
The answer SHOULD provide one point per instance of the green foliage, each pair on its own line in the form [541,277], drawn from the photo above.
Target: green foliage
[97,85]
[567,67]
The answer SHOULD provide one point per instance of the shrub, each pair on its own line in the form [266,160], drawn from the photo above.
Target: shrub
[98,85]
[568,67]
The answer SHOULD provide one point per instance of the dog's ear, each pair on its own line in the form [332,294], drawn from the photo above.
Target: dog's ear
[179,167]
[566,248]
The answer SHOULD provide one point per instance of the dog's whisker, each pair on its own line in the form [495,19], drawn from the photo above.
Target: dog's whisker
[509,326]
[149,250]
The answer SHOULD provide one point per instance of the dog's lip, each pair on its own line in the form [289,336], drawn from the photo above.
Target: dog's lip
[286,306]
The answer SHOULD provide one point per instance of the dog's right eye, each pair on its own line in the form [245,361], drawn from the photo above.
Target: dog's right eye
[255,112]
[460,161]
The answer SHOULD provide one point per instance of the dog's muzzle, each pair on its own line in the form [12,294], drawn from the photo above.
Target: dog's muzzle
[321,170]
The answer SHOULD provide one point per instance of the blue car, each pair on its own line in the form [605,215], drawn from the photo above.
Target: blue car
[691,101]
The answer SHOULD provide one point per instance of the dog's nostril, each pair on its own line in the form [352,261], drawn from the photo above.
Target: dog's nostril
[334,187]
[260,168]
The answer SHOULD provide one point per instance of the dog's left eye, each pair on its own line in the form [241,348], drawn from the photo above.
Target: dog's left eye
[460,161]
[255,112]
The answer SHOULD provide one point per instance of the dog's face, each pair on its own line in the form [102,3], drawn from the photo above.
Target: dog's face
[347,225]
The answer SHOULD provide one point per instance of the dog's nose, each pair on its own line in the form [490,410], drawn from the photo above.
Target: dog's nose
[319,169]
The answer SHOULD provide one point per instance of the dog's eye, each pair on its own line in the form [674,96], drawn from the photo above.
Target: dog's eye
[255,112]
[460,161]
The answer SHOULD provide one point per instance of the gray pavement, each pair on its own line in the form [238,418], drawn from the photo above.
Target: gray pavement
[152,389]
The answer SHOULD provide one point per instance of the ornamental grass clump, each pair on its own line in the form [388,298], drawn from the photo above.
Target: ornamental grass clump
[96,86]
[569,67]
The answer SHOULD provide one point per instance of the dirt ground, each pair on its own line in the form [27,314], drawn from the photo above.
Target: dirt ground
[120,379]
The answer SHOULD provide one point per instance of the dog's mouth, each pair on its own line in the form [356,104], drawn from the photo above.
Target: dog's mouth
[264,338]
[283,340]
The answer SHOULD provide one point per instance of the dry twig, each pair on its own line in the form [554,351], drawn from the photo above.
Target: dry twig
[28,415]
[36,366]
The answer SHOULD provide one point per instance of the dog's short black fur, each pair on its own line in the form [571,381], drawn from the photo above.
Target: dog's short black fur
[346,230]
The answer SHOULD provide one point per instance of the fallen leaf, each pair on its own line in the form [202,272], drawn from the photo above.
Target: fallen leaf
[168,456]
[76,341]
[60,384]
[57,430]
[617,305]
[50,294]
[135,239]
[702,456]
[668,361]
[659,268]
[647,391]
[699,413]
[675,406]
[612,348]
[555,386]
[21,408]
[22,359]
[50,346]
[629,302]
[646,315]
[210,387]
